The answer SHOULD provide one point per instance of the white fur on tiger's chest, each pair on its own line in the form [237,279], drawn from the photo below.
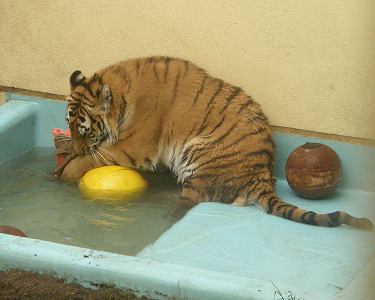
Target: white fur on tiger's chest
[173,159]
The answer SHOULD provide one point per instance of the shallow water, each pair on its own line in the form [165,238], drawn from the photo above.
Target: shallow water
[32,200]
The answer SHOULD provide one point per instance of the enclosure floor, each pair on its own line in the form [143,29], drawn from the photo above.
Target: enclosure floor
[310,261]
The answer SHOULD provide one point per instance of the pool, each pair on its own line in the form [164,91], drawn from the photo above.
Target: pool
[46,208]
[215,252]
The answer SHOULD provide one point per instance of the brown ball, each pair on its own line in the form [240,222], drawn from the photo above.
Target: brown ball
[11,230]
[313,170]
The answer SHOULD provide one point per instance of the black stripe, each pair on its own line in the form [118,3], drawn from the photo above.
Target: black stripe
[203,176]
[83,109]
[88,102]
[192,158]
[76,99]
[119,70]
[217,125]
[91,81]
[88,88]
[167,61]
[173,158]
[128,136]
[215,159]
[190,155]
[150,60]
[137,66]
[282,206]
[286,211]
[155,72]
[221,84]
[185,153]
[121,114]
[188,184]
[131,159]
[185,198]
[236,141]
[210,107]
[222,166]
[258,130]
[204,122]
[309,218]
[258,166]
[100,80]
[234,94]
[100,125]
[271,203]
[98,91]
[244,105]
[175,87]
[129,86]
[79,94]
[200,89]
[268,139]
[259,117]
[222,137]
[190,187]
[255,185]
[250,180]
[335,218]
[289,215]
[186,68]
[264,193]
[259,153]
[93,121]
[188,135]
[149,162]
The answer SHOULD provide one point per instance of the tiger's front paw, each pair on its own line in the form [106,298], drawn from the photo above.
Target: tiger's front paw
[76,168]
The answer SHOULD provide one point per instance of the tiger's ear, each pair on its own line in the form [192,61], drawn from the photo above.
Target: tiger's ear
[76,79]
[105,97]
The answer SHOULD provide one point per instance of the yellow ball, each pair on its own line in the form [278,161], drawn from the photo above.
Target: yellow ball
[112,183]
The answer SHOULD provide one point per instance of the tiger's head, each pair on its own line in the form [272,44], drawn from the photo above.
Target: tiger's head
[90,114]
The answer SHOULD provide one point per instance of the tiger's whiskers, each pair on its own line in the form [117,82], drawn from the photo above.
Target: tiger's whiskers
[93,154]
[109,154]
[103,158]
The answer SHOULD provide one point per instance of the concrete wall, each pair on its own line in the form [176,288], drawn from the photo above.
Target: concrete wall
[311,64]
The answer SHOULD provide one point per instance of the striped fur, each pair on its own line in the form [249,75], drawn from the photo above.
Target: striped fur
[163,111]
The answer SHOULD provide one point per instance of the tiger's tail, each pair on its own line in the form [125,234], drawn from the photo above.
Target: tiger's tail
[272,204]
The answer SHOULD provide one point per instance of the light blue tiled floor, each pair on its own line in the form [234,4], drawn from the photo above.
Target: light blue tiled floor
[247,242]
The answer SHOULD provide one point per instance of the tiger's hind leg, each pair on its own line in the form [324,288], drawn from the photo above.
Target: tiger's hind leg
[190,196]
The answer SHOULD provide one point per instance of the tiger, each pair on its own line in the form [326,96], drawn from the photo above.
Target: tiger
[157,111]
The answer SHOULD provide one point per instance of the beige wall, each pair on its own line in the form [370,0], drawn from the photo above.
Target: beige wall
[311,64]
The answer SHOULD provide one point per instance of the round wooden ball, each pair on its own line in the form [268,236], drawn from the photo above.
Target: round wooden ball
[11,230]
[313,170]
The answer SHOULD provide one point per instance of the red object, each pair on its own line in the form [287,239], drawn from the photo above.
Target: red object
[11,230]
[313,170]
[60,132]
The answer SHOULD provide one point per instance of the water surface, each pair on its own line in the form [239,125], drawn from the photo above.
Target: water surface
[32,200]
